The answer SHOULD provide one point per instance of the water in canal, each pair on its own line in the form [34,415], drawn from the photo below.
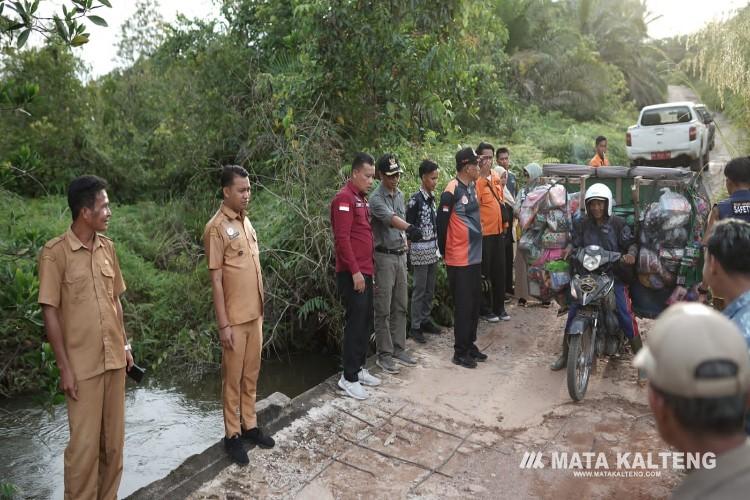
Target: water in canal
[166,421]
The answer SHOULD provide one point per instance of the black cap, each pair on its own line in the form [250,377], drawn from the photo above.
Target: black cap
[388,165]
[465,156]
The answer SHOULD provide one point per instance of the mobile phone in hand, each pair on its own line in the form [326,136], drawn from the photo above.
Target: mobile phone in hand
[136,373]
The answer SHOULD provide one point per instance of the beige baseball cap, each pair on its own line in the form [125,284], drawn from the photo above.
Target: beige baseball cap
[683,340]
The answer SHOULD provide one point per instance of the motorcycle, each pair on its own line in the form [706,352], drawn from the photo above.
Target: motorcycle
[594,331]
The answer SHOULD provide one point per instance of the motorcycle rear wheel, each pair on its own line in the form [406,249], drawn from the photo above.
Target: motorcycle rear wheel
[580,361]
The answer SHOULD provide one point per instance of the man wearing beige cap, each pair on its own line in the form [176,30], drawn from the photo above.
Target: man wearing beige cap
[699,372]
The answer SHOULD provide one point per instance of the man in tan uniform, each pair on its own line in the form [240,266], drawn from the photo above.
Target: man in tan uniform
[79,290]
[699,374]
[234,263]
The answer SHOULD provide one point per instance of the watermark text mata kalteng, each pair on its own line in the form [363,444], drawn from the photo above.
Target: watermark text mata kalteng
[624,461]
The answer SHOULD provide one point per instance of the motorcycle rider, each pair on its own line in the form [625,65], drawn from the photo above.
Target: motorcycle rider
[600,227]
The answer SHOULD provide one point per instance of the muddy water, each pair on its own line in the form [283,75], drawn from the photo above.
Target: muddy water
[166,421]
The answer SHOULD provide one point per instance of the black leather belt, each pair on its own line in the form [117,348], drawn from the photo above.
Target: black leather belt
[389,252]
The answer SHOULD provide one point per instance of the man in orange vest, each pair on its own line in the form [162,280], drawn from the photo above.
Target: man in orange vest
[600,158]
[490,197]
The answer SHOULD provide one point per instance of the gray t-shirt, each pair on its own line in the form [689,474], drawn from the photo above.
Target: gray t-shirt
[383,206]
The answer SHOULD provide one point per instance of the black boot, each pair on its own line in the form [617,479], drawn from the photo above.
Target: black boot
[562,361]
[418,336]
[429,326]
[636,344]
[255,435]
[235,450]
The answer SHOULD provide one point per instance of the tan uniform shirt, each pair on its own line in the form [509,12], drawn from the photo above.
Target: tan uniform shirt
[730,479]
[232,246]
[83,284]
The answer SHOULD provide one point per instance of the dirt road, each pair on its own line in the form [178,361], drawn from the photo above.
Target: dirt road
[440,431]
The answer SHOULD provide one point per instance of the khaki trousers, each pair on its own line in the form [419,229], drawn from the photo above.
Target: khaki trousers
[239,376]
[390,303]
[93,457]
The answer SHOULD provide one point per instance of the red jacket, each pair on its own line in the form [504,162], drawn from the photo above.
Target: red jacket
[352,233]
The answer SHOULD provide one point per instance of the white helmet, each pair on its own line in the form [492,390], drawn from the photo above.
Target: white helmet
[599,192]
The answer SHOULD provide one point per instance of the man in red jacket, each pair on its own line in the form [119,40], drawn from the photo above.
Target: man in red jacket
[352,235]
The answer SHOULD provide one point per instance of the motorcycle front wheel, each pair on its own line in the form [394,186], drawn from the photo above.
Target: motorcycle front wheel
[580,360]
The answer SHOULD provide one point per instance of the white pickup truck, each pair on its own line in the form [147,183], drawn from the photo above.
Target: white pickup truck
[669,135]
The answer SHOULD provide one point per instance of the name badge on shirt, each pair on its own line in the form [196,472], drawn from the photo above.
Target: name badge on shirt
[232,233]
[360,205]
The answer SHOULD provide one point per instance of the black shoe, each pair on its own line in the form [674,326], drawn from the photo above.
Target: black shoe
[562,361]
[559,363]
[255,435]
[417,336]
[478,356]
[466,361]
[236,451]
[430,327]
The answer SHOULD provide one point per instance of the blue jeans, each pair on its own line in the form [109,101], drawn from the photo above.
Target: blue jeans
[623,312]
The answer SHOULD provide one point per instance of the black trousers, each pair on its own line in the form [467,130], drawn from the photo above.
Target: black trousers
[493,269]
[466,287]
[509,286]
[358,323]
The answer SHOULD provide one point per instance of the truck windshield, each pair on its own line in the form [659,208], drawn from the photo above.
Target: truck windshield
[665,116]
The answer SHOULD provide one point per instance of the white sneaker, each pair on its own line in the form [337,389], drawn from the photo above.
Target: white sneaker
[352,389]
[366,378]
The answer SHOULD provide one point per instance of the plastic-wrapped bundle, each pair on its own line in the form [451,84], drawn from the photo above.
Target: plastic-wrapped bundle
[574,203]
[677,237]
[559,273]
[526,216]
[557,221]
[531,205]
[674,208]
[557,196]
[530,240]
[547,256]
[652,219]
[554,240]
[648,262]
[536,274]
[540,222]
[539,283]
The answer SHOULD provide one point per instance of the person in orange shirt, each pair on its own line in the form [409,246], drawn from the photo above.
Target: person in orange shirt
[490,196]
[600,158]
[79,290]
